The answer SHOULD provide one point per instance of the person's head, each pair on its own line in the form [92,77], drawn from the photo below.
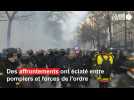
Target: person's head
[25,60]
[78,51]
[49,51]
[40,52]
[55,51]
[103,50]
[62,52]
[12,57]
[71,54]
[30,52]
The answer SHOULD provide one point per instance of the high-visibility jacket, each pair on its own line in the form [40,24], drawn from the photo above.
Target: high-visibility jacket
[99,58]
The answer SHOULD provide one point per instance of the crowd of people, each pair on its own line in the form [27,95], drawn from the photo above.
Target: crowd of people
[52,58]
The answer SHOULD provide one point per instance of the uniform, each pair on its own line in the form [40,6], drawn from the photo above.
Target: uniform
[104,62]
[8,65]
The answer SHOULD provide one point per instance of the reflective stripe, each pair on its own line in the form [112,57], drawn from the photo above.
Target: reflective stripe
[104,79]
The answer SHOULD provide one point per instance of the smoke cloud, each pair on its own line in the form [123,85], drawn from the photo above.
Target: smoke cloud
[36,32]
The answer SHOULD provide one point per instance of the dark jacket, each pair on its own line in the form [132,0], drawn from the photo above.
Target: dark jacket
[3,79]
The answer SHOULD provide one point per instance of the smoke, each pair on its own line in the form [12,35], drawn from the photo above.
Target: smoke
[70,27]
[36,32]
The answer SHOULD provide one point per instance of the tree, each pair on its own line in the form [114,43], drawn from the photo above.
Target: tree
[10,20]
[10,16]
[94,29]
[113,30]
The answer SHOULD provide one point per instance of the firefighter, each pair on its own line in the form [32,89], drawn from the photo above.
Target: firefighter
[104,60]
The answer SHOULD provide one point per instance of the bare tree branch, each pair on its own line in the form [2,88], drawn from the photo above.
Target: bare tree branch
[12,16]
[7,14]
[14,13]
